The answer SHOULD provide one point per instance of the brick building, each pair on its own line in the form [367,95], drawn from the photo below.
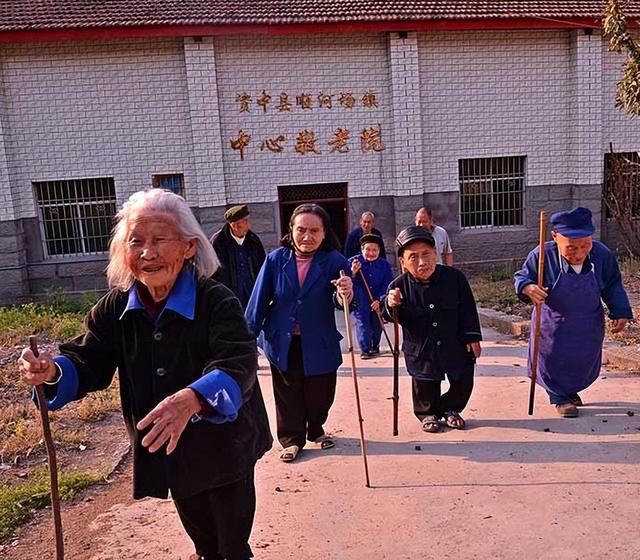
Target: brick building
[487,112]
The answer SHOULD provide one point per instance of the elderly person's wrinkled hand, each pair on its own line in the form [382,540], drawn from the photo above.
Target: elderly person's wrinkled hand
[35,371]
[168,420]
[536,294]
[394,297]
[344,288]
[356,265]
[618,325]
[475,349]
[375,305]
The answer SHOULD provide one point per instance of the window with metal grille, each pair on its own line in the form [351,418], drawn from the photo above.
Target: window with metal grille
[172,182]
[622,184]
[491,191]
[76,215]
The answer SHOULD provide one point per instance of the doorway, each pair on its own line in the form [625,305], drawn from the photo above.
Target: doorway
[331,196]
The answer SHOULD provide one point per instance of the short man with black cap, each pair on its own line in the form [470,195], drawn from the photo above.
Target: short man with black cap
[579,273]
[240,252]
[440,328]
[377,273]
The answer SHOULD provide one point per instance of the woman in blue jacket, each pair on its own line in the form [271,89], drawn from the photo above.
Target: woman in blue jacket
[292,312]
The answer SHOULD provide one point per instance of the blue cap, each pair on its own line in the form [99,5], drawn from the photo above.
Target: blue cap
[573,223]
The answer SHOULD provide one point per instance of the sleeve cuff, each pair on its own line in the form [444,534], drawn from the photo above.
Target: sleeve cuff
[66,387]
[220,391]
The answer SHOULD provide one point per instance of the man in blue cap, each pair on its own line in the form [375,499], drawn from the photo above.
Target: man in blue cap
[579,273]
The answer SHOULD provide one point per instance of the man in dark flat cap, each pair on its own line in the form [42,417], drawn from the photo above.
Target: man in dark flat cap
[440,330]
[579,273]
[240,252]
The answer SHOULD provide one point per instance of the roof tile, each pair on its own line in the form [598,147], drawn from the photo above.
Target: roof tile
[21,15]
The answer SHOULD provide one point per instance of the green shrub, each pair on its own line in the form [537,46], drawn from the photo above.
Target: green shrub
[61,302]
[67,326]
[59,319]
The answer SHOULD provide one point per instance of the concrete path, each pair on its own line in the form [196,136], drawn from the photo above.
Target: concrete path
[510,486]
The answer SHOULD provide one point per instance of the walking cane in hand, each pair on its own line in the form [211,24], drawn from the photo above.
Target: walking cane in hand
[396,366]
[536,332]
[347,322]
[51,458]
[377,311]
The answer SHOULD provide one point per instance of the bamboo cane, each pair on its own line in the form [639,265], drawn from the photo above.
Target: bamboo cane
[347,321]
[536,332]
[396,367]
[377,311]
[51,458]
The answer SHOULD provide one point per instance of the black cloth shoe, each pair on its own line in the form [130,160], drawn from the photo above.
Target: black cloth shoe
[374,350]
[366,355]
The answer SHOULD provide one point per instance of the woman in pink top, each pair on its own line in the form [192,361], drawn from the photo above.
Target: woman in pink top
[292,312]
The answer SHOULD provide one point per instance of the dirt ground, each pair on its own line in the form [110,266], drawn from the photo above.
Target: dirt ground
[510,485]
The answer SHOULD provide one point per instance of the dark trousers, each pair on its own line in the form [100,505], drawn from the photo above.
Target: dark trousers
[428,400]
[219,520]
[302,402]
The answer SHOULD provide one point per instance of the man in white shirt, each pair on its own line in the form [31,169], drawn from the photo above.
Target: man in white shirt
[444,252]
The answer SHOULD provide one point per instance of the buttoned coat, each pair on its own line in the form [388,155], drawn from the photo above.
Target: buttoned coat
[438,320]
[278,302]
[222,244]
[157,359]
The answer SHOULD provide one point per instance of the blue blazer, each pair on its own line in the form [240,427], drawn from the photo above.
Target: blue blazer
[278,302]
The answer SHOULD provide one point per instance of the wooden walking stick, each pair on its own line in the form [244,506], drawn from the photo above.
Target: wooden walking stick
[396,367]
[51,458]
[377,311]
[347,322]
[536,332]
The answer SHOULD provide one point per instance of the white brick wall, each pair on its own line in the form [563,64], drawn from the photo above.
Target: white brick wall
[585,161]
[130,109]
[91,109]
[495,93]
[405,84]
[617,127]
[312,64]
[6,194]
[208,188]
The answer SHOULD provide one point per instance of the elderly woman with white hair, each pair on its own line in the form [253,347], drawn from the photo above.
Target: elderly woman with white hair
[187,367]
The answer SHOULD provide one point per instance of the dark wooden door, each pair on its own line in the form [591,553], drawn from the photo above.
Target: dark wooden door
[331,196]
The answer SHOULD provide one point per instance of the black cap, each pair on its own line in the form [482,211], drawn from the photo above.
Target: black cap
[413,233]
[371,238]
[236,213]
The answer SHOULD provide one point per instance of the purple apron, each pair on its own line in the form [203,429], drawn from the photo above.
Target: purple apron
[571,335]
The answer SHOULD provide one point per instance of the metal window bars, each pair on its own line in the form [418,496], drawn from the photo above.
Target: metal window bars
[492,191]
[76,215]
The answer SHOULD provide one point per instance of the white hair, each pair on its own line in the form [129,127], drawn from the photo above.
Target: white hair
[205,262]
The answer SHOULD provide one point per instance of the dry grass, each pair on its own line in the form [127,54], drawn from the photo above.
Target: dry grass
[20,432]
[498,294]
[95,406]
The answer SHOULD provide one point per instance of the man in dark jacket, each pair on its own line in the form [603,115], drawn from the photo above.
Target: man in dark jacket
[240,252]
[352,243]
[440,328]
